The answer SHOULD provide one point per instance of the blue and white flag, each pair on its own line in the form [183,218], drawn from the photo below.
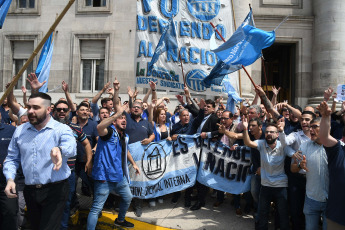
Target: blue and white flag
[167,42]
[167,167]
[4,6]
[44,63]
[233,96]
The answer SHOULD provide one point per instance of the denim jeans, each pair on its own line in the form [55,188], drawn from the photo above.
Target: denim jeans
[267,194]
[66,211]
[313,210]
[255,186]
[101,192]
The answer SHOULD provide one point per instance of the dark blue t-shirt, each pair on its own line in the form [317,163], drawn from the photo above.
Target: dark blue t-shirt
[6,133]
[5,118]
[90,129]
[137,131]
[291,127]
[335,210]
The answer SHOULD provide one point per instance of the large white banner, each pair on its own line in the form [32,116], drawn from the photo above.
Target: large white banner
[192,20]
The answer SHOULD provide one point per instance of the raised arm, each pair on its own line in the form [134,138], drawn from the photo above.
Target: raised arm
[153,89]
[102,127]
[116,100]
[12,104]
[256,99]
[68,97]
[246,138]
[25,101]
[147,95]
[268,105]
[99,94]
[275,95]
[34,83]
[325,126]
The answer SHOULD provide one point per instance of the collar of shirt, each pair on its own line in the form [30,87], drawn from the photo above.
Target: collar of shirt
[49,125]
[275,148]
[135,120]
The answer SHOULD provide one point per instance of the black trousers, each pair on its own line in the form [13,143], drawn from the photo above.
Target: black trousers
[8,211]
[45,205]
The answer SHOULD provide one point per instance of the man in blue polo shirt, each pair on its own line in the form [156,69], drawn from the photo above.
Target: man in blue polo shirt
[273,178]
[335,150]
[137,129]
[8,207]
[110,170]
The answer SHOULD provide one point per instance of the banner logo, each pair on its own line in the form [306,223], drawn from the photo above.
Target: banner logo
[204,10]
[154,161]
[194,78]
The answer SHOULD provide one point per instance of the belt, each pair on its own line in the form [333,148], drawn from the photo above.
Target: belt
[45,185]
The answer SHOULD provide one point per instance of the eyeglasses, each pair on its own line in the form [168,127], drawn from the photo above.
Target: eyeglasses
[136,107]
[62,109]
[270,131]
[224,118]
[314,126]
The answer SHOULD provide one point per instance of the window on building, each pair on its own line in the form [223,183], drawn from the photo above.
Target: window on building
[96,3]
[21,53]
[92,54]
[26,4]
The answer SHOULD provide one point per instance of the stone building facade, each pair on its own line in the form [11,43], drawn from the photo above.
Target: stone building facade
[95,42]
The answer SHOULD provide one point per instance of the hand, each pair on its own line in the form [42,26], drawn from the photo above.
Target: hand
[186,91]
[259,90]
[106,86]
[34,83]
[55,155]
[297,155]
[202,103]
[88,168]
[110,91]
[327,94]
[180,99]
[245,123]
[152,85]
[281,105]
[64,86]
[174,137]
[281,124]
[219,100]
[116,84]
[137,171]
[303,164]
[221,128]
[233,148]
[203,135]
[324,109]
[24,89]
[166,99]
[168,139]
[10,189]
[334,96]
[258,171]
[275,91]
[146,141]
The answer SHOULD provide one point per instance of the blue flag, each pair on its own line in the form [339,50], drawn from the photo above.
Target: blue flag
[4,6]
[43,75]
[233,96]
[167,41]
[43,55]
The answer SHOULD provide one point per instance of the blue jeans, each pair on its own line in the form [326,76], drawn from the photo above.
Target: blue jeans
[313,210]
[267,194]
[101,192]
[66,211]
[255,186]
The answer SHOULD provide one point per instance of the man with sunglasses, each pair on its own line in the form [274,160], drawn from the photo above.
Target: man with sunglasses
[273,178]
[61,113]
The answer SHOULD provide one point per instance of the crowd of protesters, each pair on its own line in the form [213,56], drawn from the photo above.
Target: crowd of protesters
[297,155]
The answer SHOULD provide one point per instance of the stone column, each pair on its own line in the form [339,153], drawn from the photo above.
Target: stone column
[328,47]
[241,9]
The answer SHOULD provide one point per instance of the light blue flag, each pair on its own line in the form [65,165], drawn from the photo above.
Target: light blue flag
[43,55]
[233,96]
[221,69]
[167,41]
[44,75]
[4,6]
[245,45]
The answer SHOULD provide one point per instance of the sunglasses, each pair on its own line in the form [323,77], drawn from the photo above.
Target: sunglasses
[62,109]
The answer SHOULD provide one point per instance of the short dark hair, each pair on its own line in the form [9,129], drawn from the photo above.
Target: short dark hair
[310,113]
[315,120]
[60,102]
[41,95]
[272,124]
[297,107]
[209,101]
[104,108]
[230,113]
[105,100]
[258,121]
[82,104]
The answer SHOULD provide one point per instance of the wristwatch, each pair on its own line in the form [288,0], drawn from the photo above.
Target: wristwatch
[299,165]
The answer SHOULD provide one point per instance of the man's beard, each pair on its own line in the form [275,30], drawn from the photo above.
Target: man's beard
[62,120]
[39,119]
[271,141]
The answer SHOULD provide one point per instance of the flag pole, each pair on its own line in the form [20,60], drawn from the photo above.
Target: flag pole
[34,54]
[239,72]
[184,79]
[242,65]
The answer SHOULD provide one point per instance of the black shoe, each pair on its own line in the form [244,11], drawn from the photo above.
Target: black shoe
[175,197]
[125,224]
[187,203]
[197,206]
